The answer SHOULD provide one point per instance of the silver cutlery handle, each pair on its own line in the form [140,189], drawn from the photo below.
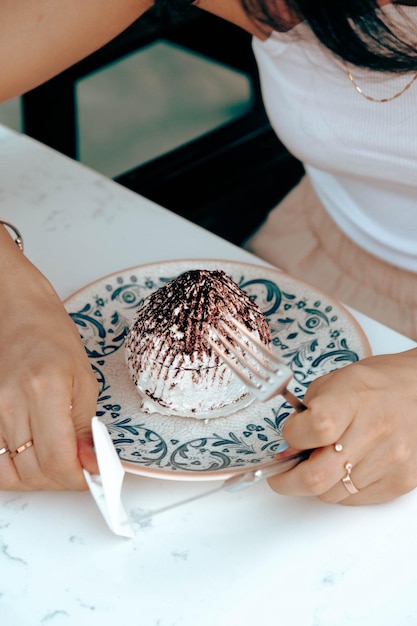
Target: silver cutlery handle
[246,479]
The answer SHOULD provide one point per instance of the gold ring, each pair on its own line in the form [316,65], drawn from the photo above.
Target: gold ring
[21,448]
[347,481]
[4,450]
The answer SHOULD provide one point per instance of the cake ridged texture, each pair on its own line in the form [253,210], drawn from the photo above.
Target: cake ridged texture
[171,363]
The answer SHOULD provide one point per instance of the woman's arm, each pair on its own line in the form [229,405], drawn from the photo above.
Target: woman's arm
[41,38]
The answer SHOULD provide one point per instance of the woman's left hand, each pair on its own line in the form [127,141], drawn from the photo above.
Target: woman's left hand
[370,410]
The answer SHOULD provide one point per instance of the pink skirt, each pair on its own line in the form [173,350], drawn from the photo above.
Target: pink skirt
[300,238]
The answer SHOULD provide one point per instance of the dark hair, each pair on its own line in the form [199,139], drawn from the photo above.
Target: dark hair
[358,31]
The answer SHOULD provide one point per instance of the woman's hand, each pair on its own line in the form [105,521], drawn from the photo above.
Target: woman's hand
[48,391]
[370,410]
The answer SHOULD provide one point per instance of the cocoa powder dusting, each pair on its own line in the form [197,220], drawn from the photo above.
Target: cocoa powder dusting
[180,312]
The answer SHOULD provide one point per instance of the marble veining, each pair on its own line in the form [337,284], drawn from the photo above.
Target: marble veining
[4,550]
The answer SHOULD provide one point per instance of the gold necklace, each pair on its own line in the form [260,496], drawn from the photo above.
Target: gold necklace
[364,95]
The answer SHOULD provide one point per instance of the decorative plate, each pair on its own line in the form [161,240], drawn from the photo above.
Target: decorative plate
[311,332]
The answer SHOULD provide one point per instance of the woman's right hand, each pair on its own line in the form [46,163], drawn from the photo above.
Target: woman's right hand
[361,423]
[48,391]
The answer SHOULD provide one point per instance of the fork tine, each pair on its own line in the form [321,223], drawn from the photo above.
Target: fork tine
[276,378]
[249,382]
[267,352]
[263,382]
[263,374]
[277,368]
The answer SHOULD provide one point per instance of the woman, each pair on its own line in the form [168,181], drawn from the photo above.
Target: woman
[362,420]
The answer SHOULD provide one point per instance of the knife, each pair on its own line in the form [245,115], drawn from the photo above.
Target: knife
[107,486]
[241,480]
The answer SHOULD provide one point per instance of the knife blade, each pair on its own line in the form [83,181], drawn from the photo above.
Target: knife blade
[241,480]
[107,486]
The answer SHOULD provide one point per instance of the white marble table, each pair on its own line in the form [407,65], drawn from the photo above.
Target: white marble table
[234,559]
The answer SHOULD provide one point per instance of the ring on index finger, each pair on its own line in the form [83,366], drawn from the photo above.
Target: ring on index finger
[21,448]
[4,450]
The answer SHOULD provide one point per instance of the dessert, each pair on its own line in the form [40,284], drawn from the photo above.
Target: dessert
[169,359]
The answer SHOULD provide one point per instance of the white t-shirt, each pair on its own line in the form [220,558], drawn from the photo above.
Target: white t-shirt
[361,156]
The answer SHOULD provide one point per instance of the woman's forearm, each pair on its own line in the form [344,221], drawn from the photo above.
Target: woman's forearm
[41,38]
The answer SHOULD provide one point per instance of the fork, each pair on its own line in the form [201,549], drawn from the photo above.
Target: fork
[266,376]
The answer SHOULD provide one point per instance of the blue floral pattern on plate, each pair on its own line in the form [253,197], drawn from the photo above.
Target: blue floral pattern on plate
[310,331]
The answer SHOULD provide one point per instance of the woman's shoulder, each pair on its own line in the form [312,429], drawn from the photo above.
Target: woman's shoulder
[233,12]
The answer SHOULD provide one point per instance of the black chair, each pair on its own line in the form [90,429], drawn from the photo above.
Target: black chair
[227,179]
